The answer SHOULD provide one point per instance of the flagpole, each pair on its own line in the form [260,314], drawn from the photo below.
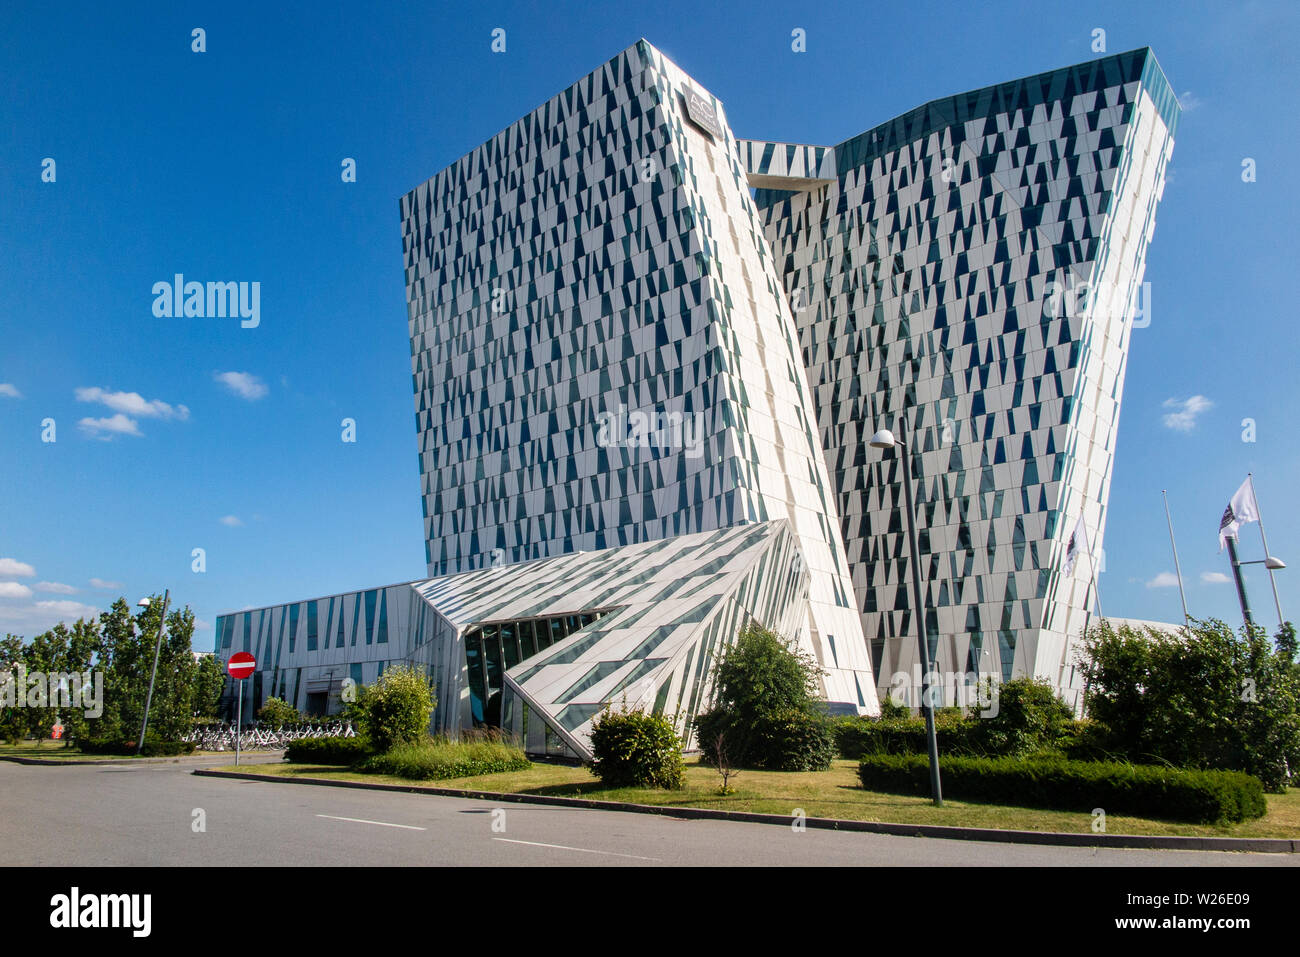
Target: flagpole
[1251,479]
[1187,623]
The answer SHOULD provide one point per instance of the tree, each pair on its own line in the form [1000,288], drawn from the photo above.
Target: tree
[278,712]
[1207,697]
[209,683]
[1285,641]
[397,707]
[766,708]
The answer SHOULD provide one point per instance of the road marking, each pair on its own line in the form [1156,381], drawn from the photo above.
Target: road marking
[357,820]
[582,850]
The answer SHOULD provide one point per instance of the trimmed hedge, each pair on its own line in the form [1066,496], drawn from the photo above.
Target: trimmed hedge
[857,737]
[1201,797]
[437,759]
[329,750]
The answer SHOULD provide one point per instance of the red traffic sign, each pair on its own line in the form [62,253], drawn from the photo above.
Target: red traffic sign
[241,665]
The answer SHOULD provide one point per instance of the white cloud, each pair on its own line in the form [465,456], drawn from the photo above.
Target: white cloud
[231,520]
[133,403]
[55,588]
[243,384]
[1164,580]
[1215,578]
[10,390]
[100,583]
[109,428]
[32,618]
[13,568]
[1189,101]
[1185,411]
[14,590]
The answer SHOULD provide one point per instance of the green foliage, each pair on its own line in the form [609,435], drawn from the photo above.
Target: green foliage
[329,750]
[1029,719]
[766,709]
[1206,698]
[636,749]
[209,683]
[396,708]
[277,712]
[857,736]
[438,759]
[1057,783]
[1285,641]
[154,746]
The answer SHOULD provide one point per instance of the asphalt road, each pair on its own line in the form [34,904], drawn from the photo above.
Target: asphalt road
[146,814]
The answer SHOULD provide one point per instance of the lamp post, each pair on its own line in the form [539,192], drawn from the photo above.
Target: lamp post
[1271,563]
[144,725]
[884,439]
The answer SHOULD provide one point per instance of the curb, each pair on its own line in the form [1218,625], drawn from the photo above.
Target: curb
[1259,845]
[61,762]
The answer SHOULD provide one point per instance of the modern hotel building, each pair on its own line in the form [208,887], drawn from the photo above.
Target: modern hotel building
[646,357]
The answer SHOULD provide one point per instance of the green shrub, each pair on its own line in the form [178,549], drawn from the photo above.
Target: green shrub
[1207,697]
[278,713]
[439,759]
[636,749]
[396,708]
[793,741]
[1064,785]
[855,737]
[154,746]
[330,750]
[766,708]
[1030,717]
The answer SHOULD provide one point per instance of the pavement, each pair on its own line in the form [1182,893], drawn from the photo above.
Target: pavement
[161,814]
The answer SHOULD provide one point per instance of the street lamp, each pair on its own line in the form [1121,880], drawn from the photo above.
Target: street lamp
[884,439]
[144,725]
[1271,563]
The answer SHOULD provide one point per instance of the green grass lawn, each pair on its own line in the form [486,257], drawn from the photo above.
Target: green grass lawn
[835,793]
[49,749]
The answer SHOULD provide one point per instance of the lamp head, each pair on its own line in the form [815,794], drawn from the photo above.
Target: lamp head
[143,603]
[1273,564]
[884,439]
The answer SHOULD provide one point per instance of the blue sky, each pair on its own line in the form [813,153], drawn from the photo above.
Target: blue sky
[225,165]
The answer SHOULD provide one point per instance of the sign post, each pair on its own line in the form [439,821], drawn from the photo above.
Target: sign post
[240,666]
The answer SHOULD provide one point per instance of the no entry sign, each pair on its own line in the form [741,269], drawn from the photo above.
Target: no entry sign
[241,665]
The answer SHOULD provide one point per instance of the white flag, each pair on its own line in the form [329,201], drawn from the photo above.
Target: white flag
[1078,542]
[1240,510]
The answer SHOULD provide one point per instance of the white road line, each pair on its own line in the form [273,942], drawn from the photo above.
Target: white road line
[357,820]
[582,850]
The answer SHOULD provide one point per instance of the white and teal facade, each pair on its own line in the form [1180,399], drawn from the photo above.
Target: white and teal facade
[645,357]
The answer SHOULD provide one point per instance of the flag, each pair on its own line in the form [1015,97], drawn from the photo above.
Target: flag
[1078,541]
[1240,510]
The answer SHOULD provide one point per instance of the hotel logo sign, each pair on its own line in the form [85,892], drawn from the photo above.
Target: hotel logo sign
[699,110]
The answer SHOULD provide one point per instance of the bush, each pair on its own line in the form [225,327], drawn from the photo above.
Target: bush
[330,750]
[154,747]
[1030,719]
[793,741]
[1055,782]
[855,737]
[1207,697]
[439,759]
[636,749]
[277,712]
[396,708]
[766,708]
